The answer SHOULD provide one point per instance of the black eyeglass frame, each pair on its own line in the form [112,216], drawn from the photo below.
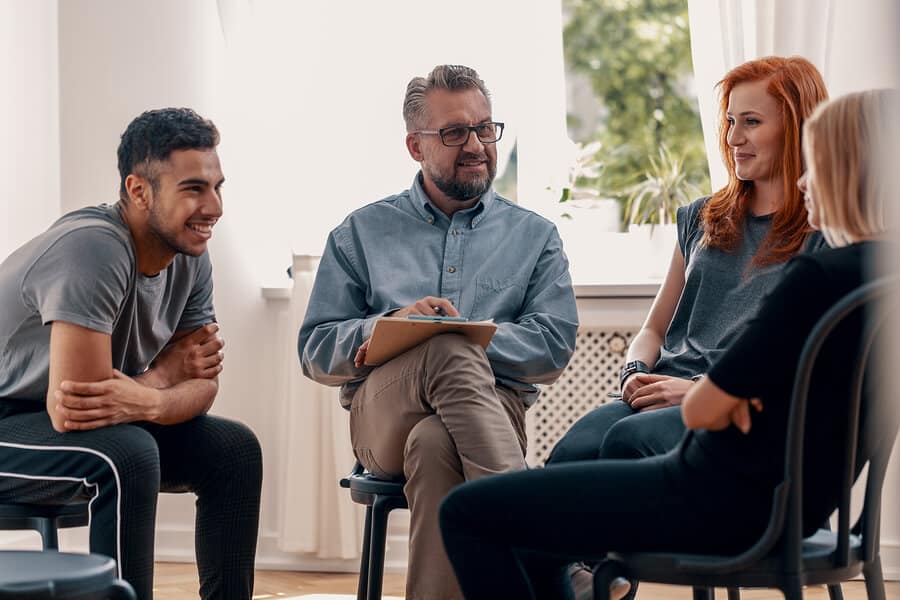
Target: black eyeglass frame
[471,129]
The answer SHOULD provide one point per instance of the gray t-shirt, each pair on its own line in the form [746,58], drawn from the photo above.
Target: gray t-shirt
[721,292]
[83,270]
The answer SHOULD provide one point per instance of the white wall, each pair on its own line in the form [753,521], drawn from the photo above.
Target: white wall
[29,122]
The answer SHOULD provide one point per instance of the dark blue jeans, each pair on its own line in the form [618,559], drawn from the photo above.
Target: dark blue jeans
[614,430]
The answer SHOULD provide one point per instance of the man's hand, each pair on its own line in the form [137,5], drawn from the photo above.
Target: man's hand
[360,358]
[90,405]
[198,355]
[429,306]
[646,391]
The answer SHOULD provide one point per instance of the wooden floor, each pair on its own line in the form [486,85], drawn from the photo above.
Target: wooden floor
[176,581]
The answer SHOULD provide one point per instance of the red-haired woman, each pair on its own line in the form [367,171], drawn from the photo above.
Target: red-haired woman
[731,249]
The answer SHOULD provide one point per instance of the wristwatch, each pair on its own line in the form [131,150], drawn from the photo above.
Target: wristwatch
[630,368]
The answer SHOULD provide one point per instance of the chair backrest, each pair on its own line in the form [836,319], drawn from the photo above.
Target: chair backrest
[786,516]
[867,299]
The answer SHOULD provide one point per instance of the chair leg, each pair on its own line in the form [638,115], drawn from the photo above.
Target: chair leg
[792,588]
[49,539]
[704,593]
[735,594]
[380,509]
[835,592]
[362,587]
[874,579]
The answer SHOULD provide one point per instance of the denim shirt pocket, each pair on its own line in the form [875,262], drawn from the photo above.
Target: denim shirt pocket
[498,299]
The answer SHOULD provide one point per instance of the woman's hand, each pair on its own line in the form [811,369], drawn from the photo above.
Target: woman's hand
[740,414]
[646,391]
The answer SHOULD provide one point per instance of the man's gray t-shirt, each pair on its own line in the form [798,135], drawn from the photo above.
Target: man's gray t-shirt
[722,290]
[83,270]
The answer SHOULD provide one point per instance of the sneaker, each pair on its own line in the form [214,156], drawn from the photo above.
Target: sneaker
[583,583]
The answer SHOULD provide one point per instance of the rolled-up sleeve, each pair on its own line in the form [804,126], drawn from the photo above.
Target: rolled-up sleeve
[537,346]
[337,320]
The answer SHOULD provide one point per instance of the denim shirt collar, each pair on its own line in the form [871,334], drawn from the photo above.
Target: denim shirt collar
[430,213]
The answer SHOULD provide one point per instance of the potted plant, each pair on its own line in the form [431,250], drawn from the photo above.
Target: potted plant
[651,206]
[665,188]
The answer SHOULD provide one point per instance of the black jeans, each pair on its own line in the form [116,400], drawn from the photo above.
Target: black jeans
[614,430]
[512,535]
[122,469]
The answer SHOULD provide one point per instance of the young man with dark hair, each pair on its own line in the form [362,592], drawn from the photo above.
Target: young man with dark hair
[110,357]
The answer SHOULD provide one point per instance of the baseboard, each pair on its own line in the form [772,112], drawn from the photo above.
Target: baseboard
[176,544]
[890,559]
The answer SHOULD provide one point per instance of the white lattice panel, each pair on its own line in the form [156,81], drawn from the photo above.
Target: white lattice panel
[592,372]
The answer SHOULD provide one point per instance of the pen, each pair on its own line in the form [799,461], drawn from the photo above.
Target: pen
[440,311]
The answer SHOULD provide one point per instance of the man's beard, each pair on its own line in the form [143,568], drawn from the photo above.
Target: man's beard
[454,188]
[168,239]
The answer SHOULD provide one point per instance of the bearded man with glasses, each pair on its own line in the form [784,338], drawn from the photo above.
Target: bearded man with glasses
[446,411]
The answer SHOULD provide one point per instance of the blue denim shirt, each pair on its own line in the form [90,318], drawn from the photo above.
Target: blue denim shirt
[494,261]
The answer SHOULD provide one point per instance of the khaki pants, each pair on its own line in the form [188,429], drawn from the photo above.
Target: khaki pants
[435,416]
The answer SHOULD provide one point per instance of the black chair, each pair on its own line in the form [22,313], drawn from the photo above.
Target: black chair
[30,575]
[44,518]
[781,558]
[380,497]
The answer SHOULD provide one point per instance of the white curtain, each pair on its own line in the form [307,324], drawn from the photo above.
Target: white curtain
[726,33]
[317,516]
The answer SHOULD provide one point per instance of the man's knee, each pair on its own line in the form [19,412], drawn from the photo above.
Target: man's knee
[430,450]
[451,348]
[133,455]
[236,447]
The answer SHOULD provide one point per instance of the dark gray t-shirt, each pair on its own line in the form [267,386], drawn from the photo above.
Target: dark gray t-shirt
[721,293]
[83,270]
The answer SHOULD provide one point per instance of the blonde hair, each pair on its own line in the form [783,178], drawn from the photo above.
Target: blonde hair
[846,147]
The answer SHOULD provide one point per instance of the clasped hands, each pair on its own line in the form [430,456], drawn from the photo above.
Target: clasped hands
[431,306]
[648,391]
[123,399]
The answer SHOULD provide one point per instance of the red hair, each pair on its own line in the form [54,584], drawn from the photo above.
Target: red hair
[798,87]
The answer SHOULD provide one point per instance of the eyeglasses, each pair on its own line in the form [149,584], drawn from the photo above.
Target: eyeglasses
[458,135]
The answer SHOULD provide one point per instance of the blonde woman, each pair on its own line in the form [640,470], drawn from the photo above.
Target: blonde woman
[733,456]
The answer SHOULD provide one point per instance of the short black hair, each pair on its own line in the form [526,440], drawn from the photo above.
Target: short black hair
[154,135]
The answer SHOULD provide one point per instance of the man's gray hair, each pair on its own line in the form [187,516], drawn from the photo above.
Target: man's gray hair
[442,77]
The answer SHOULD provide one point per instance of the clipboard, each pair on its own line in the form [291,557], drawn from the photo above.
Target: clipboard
[395,335]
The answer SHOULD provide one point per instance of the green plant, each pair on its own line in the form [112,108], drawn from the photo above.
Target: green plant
[587,177]
[635,57]
[664,188]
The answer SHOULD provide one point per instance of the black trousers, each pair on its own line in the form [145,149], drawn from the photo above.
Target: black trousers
[512,535]
[123,468]
[615,430]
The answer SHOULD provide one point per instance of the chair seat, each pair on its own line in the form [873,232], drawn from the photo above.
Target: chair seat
[66,515]
[28,573]
[364,488]
[694,569]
